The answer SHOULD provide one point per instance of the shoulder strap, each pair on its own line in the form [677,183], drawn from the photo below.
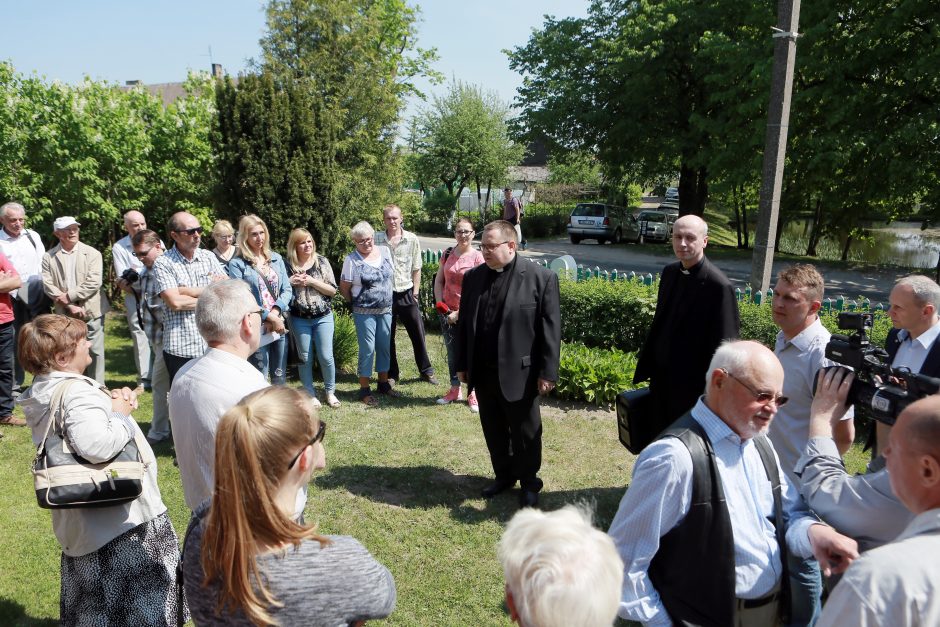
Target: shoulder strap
[770,467]
[447,253]
[56,405]
[32,241]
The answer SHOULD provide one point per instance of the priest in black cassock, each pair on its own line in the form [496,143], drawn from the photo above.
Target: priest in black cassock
[696,310]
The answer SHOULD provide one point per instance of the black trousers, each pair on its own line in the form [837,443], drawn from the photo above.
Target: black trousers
[174,363]
[405,309]
[513,431]
[6,369]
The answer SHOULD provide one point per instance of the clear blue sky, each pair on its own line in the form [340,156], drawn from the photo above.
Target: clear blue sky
[156,41]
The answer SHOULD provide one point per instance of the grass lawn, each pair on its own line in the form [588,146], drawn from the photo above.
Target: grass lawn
[404,479]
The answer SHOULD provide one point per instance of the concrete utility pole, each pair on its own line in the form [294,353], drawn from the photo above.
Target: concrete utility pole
[775,143]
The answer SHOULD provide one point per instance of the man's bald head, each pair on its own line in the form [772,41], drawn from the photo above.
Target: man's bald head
[913,455]
[689,238]
[134,222]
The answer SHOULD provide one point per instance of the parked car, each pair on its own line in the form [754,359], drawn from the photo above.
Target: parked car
[654,225]
[672,193]
[602,222]
[669,206]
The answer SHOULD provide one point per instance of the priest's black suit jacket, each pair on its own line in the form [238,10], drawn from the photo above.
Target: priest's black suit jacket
[676,368]
[529,332]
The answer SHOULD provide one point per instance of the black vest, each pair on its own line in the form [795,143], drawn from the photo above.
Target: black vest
[693,570]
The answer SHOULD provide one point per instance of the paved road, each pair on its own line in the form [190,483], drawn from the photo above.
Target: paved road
[874,284]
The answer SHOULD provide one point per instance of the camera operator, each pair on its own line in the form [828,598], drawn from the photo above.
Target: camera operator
[912,344]
[862,507]
[896,584]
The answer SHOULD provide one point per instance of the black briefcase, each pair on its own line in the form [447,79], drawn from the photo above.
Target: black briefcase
[635,422]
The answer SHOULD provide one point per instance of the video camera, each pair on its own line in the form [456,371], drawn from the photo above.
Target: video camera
[130,275]
[878,391]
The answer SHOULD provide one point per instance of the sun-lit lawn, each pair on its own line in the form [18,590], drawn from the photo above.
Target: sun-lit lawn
[404,479]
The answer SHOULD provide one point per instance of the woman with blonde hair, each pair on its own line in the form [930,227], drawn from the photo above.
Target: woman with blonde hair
[247,561]
[266,274]
[311,310]
[224,236]
[118,563]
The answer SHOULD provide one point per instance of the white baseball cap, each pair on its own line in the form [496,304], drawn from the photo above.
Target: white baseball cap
[64,222]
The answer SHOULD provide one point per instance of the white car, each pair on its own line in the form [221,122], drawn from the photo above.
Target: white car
[654,226]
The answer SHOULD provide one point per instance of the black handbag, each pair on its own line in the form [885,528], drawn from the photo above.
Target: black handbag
[63,479]
[635,423]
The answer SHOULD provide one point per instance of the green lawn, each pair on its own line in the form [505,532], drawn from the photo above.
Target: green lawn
[404,479]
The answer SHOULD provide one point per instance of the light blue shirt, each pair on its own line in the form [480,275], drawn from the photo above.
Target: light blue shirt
[912,352]
[658,499]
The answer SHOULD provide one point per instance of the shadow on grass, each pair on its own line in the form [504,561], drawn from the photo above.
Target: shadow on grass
[12,613]
[428,486]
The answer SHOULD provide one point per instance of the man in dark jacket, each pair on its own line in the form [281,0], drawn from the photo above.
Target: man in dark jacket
[508,344]
[696,310]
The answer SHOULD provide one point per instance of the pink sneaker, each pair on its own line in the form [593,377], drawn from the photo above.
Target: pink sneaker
[453,395]
[472,402]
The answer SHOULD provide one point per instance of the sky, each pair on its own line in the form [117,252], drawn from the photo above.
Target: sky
[158,41]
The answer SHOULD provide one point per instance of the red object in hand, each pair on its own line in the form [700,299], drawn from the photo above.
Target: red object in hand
[442,308]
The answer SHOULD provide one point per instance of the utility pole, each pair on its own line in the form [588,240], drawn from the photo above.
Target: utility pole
[775,143]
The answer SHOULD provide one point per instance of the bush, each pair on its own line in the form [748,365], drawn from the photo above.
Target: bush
[594,375]
[345,343]
[607,314]
[544,225]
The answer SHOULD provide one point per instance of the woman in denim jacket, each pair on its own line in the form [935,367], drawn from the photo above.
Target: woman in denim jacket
[266,275]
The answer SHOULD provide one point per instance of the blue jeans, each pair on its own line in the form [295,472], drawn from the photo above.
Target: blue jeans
[274,353]
[449,331]
[318,331]
[805,590]
[374,334]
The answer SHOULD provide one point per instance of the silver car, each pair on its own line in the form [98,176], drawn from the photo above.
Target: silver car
[654,225]
[602,222]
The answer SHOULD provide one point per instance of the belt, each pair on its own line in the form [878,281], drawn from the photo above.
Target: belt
[750,604]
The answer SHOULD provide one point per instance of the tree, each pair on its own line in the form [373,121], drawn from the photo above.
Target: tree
[307,139]
[577,167]
[463,139]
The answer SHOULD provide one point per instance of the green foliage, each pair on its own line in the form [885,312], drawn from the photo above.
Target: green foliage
[594,375]
[757,323]
[345,344]
[607,314]
[577,167]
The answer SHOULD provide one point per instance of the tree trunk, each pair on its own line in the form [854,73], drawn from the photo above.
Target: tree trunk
[778,233]
[747,230]
[484,209]
[737,214]
[815,230]
[845,249]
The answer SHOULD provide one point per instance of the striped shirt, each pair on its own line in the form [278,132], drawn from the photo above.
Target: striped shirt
[172,270]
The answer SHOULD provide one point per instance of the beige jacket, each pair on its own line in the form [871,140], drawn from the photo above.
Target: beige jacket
[88,270]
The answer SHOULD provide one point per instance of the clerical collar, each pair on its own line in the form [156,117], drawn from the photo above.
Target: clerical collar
[693,270]
[506,267]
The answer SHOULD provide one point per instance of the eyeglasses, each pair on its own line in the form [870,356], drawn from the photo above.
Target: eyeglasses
[196,230]
[364,241]
[143,254]
[321,432]
[464,232]
[260,312]
[489,248]
[762,397]
[224,236]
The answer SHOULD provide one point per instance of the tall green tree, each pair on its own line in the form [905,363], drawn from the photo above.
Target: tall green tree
[308,139]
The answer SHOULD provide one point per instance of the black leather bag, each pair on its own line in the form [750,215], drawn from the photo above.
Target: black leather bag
[635,423]
[63,479]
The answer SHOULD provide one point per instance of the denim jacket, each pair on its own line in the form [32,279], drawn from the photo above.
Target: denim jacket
[238,268]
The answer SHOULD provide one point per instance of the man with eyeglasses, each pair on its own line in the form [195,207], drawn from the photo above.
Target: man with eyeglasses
[229,319]
[126,266]
[147,248]
[72,277]
[801,349]
[406,281]
[24,248]
[180,276]
[709,515]
[508,344]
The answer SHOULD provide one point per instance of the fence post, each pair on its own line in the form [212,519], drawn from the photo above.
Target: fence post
[614,275]
[840,303]
[648,279]
[738,294]
[758,295]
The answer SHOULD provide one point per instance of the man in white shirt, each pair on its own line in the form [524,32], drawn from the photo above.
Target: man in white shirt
[24,248]
[229,319]
[123,259]
[895,584]
[801,349]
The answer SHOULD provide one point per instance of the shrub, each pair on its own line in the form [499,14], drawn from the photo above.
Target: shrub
[345,344]
[607,314]
[594,375]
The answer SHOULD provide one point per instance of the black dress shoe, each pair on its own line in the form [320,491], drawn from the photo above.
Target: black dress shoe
[528,498]
[495,488]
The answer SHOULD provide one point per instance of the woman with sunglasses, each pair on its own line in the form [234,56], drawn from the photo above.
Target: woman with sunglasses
[224,236]
[265,272]
[311,311]
[246,560]
[455,263]
[366,282]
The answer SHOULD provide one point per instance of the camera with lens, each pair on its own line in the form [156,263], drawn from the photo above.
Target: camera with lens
[130,275]
[879,391]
